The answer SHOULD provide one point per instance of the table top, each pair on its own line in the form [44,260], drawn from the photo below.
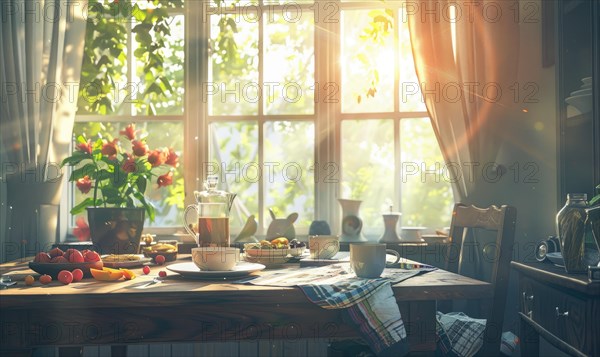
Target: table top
[436,285]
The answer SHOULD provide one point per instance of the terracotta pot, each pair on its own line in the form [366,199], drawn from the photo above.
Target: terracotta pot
[116,230]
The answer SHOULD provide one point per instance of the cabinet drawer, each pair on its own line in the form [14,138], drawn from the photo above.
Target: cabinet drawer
[560,313]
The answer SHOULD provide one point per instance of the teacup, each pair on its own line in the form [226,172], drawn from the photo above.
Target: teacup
[323,247]
[367,260]
[216,258]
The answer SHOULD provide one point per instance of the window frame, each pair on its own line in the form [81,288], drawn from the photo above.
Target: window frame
[327,116]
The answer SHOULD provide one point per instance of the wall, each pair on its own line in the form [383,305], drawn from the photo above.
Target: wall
[530,151]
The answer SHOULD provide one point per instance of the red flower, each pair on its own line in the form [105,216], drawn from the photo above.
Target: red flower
[157,157]
[85,147]
[165,180]
[172,158]
[110,149]
[84,184]
[129,164]
[139,148]
[82,231]
[129,132]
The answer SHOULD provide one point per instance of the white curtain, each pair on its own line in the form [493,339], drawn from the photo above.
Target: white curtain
[466,57]
[41,48]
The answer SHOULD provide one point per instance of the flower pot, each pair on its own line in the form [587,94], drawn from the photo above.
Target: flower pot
[116,230]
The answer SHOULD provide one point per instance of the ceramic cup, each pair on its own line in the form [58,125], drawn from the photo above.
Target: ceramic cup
[216,258]
[367,260]
[323,247]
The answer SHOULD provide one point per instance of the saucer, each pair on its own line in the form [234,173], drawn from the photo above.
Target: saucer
[190,270]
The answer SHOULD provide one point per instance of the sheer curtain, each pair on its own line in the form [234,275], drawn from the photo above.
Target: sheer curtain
[41,48]
[466,56]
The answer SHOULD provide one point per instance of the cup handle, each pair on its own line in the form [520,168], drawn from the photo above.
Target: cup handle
[391,251]
[187,224]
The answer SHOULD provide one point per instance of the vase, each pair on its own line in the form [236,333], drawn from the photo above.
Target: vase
[31,215]
[116,230]
[592,230]
[351,222]
[570,227]
[390,221]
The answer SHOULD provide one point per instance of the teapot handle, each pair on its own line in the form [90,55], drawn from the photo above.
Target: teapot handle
[187,225]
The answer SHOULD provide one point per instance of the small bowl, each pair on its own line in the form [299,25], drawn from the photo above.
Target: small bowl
[434,238]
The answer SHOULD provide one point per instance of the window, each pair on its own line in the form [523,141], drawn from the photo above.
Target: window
[133,71]
[292,104]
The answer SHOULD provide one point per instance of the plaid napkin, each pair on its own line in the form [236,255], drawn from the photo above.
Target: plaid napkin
[461,335]
[369,303]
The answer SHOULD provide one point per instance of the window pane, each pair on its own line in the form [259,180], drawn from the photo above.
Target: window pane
[234,155]
[289,63]
[289,181]
[104,65]
[410,90]
[159,88]
[368,169]
[232,88]
[168,201]
[367,61]
[426,192]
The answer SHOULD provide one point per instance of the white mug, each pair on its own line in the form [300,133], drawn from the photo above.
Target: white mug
[367,260]
[216,258]
[323,247]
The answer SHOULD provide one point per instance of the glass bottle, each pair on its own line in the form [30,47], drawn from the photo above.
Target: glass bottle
[570,227]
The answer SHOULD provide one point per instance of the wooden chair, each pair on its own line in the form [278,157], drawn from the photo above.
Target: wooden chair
[502,221]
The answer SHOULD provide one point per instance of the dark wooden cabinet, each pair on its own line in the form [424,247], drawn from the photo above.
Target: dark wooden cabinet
[562,308]
[577,57]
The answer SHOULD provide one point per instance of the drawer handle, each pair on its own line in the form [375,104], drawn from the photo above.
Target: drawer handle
[527,298]
[559,314]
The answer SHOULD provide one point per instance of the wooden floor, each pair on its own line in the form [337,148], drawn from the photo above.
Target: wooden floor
[262,348]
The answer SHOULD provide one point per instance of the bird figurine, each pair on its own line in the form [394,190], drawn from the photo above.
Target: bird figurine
[246,235]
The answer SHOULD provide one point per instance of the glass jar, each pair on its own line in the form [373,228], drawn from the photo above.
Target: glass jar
[570,227]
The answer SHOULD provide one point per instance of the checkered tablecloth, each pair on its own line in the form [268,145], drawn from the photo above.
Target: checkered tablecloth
[369,303]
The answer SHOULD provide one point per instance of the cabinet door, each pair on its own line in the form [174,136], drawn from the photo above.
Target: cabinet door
[578,71]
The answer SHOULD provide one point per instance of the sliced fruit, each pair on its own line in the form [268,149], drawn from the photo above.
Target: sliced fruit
[128,274]
[65,277]
[77,274]
[106,274]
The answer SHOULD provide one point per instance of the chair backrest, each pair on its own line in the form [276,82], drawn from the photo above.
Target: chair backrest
[503,222]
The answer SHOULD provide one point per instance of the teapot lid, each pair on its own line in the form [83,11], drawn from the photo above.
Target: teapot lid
[212,195]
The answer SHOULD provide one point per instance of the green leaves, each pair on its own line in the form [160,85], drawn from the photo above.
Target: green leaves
[105,57]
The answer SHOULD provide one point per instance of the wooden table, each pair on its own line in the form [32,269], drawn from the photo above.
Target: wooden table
[562,308]
[92,312]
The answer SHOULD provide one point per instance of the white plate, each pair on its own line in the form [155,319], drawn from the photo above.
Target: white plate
[275,253]
[127,263]
[268,261]
[190,270]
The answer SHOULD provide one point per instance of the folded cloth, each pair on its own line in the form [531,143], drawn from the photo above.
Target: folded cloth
[370,304]
[461,335]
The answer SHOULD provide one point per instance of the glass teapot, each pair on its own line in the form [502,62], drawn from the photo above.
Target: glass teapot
[210,215]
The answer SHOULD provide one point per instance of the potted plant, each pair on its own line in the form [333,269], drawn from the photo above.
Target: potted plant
[114,173]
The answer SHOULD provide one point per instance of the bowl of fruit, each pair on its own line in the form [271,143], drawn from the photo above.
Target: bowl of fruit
[167,249]
[56,260]
[276,251]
